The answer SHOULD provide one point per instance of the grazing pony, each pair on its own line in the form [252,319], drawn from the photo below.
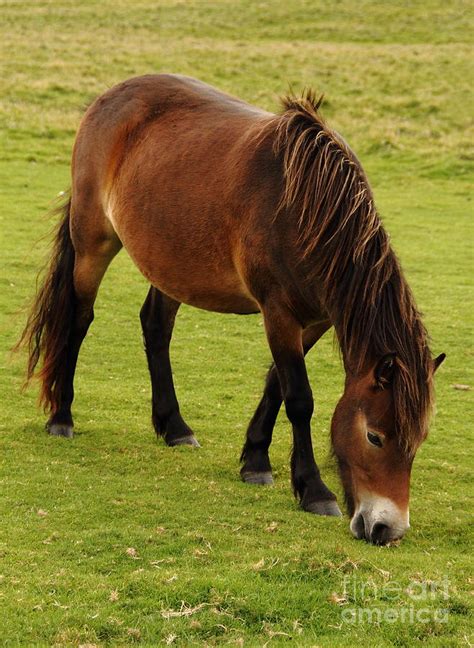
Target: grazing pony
[233,209]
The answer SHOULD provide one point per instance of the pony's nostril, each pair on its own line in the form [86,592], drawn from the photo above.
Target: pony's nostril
[358,526]
[380,533]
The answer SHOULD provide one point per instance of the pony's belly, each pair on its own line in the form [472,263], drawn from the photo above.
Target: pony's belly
[221,297]
[218,303]
[213,286]
[210,282]
[189,254]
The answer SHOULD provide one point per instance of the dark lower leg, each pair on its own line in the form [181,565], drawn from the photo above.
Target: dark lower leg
[308,486]
[166,417]
[60,422]
[256,466]
[157,317]
[89,268]
[285,339]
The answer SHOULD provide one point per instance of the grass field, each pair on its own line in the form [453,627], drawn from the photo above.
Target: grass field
[114,539]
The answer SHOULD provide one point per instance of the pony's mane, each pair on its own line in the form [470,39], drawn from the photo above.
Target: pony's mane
[363,288]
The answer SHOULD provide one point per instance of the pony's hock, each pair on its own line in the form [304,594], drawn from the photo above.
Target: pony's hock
[160,166]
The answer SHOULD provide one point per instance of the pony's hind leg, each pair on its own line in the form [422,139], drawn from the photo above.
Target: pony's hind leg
[256,468]
[63,310]
[157,316]
[89,268]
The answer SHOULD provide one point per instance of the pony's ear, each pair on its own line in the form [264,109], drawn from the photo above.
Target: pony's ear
[437,361]
[383,372]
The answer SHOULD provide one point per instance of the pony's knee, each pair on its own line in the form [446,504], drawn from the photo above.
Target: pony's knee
[299,408]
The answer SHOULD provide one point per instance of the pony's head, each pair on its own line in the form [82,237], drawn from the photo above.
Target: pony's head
[374,455]
[383,415]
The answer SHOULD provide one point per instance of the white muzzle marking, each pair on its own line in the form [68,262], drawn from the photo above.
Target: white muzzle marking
[376,510]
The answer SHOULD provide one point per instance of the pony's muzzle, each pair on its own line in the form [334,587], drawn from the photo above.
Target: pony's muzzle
[379,521]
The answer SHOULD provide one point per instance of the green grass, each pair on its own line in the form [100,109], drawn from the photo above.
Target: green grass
[114,539]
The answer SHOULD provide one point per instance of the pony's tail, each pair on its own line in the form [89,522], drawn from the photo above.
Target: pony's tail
[51,318]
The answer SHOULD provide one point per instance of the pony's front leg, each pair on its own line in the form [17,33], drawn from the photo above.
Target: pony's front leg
[256,467]
[285,338]
[157,316]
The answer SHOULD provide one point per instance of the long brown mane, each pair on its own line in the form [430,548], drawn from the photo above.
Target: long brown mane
[364,291]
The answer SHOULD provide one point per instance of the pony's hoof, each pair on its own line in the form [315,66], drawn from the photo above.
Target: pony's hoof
[263,478]
[186,440]
[326,507]
[60,429]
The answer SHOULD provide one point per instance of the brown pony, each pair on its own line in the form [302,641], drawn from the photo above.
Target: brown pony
[232,209]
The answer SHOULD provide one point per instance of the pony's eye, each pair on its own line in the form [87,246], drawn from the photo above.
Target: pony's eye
[374,439]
